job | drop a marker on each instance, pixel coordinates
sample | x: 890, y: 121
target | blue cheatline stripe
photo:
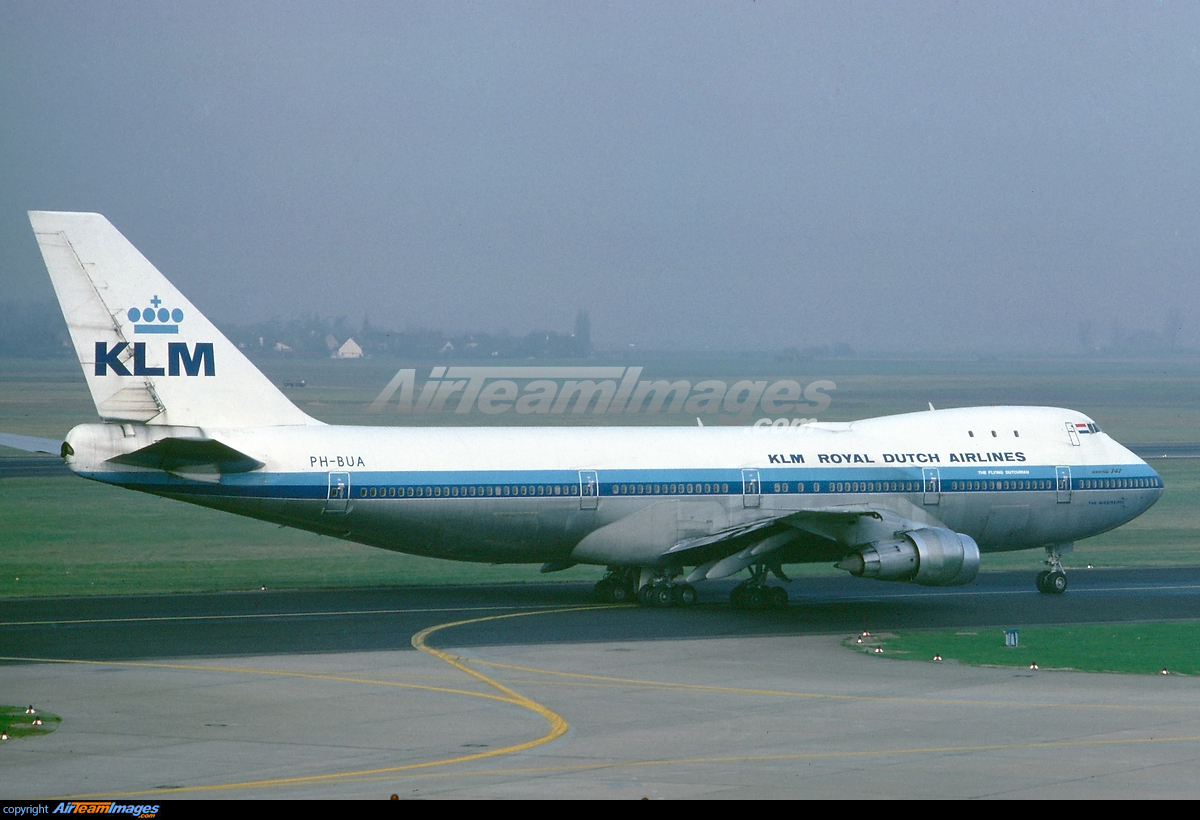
x: 566, y: 483
x: 156, y: 328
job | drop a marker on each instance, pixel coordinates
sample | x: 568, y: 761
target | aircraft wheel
x: 738, y: 597
x: 685, y: 595
x: 603, y: 591
x: 620, y: 594
x: 1041, y: 581
x: 644, y: 596
x: 757, y: 598
x: 779, y: 597
x: 1057, y: 583
x: 663, y: 596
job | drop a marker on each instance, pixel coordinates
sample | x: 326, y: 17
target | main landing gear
x: 753, y: 593
x: 1053, y: 581
x: 624, y: 585
x: 657, y: 588
x: 666, y: 594
x: 617, y: 587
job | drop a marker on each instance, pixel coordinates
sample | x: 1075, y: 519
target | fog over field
x: 901, y: 177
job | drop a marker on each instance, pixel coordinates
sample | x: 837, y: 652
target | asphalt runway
x: 364, y: 620
x: 532, y: 691
x: 33, y: 467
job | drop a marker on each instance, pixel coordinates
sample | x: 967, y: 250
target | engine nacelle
x: 933, y: 557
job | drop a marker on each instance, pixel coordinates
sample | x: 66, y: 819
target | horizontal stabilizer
x: 30, y: 444
x: 175, y: 455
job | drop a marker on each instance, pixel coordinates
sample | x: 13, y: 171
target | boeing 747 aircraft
x: 913, y: 498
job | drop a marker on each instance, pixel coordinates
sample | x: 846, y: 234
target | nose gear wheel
x: 1052, y: 581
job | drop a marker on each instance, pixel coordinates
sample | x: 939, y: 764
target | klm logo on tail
x: 180, y: 361
x: 156, y: 319
x: 179, y: 358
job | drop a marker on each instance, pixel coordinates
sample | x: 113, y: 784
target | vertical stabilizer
x: 148, y: 355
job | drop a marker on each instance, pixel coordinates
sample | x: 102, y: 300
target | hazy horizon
x: 902, y: 178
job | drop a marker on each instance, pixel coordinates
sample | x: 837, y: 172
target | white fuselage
x: 1010, y: 477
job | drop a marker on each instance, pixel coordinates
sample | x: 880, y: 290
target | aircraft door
x: 933, y: 485
x: 338, y: 499
x: 589, y: 490
x: 751, y: 488
x: 1063, y: 476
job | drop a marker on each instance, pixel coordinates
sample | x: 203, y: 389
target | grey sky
x: 748, y: 174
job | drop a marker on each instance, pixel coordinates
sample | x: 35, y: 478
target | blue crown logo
x: 157, y: 319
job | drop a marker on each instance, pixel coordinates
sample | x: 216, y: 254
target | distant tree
x: 1174, y: 325
x: 1087, y: 336
x: 33, y: 330
x: 1118, y: 335
x: 583, y: 334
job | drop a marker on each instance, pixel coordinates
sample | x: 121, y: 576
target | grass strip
x: 17, y: 722
x: 1143, y: 649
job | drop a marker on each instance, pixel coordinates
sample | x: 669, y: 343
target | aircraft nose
x: 1156, y: 491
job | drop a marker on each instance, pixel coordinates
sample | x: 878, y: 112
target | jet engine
x: 933, y: 557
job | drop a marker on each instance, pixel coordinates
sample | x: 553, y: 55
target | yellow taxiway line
x: 557, y: 726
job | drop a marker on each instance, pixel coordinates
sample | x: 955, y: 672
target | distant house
x: 280, y: 347
x: 349, y: 350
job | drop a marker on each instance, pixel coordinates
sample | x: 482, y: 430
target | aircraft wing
x: 818, y: 522
x: 723, y: 553
x: 728, y: 535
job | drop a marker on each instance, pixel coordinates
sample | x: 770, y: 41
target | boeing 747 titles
x: 185, y: 415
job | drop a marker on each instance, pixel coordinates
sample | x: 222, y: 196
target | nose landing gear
x: 1053, y: 581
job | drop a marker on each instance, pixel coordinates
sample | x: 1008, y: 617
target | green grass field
x: 67, y: 536
x: 17, y: 723
x: 1145, y: 649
